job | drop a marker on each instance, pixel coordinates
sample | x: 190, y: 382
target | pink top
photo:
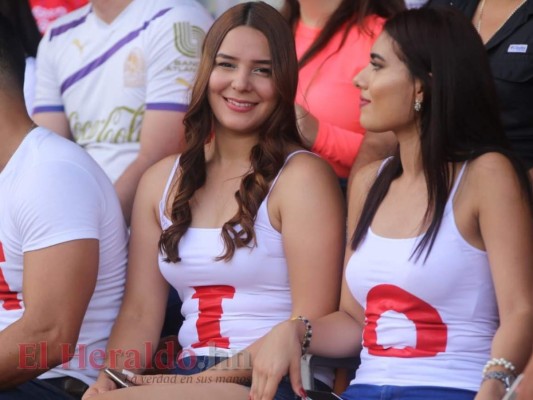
x: 326, y: 90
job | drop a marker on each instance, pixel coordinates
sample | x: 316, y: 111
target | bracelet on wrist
x: 506, y: 377
x: 306, y: 341
x: 499, y: 362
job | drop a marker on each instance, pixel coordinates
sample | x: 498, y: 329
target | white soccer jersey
x: 426, y: 324
x: 52, y: 192
x: 104, y: 76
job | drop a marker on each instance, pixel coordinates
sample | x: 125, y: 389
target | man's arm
x: 58, y: 283
x: 162, y: 134
x: 169, y: 77
x: 56, y: 121
x: 49, y: 109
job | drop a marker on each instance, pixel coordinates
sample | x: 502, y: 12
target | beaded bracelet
x: 306, y: 341
x: 500, y: 362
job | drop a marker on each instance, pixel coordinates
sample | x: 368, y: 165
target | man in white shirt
x: 62, y: 251
x: 115, y: 76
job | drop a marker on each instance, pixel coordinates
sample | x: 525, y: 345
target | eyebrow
x: 375, y: 55
x: 228, y: 57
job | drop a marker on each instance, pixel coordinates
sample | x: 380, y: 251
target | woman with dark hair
x: 245, y: 224
x: 333, y: 39
x: 437, y: 294
x: 19, y: 14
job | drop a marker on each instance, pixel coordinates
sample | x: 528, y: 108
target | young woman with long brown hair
x: 245, y: 224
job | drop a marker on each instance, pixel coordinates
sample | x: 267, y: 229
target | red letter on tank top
x: 210, y: 311
x: 7, y: 297
x: 431, y: 332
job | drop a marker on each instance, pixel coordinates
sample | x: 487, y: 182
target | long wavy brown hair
x: 277, y: 134
x: 348, y: 14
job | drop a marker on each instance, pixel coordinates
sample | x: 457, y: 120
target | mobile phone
x: 318, y: 395
x: 511, y: 393
x: 118, y: 377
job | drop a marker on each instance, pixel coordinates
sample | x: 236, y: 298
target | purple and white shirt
x: 104, y: 76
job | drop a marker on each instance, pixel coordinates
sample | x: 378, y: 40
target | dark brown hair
x: 12, y: 59
x: 349, y: 13
x: 19, y: 14
x: 277, y: 133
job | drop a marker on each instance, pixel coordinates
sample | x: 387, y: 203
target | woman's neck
x: 230, y: 149
x: 315, y: 13
x: 410, y: 153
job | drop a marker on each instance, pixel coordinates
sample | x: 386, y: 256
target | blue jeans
x: 195, y: 365
x: 374, y: 392
x: 37, y: 389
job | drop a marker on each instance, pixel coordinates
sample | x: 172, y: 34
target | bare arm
x: 334, y: 335
x: 503, y: 204
x: 161, y: 136
x: 141, y: 316
x: 337, y: 145
x: 58, y: 284
x: 55, y: 121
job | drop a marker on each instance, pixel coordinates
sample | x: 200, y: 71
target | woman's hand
x: 103, y: 384
x: 491, y: 389
x: 141, y: 380
x: 279, y: 354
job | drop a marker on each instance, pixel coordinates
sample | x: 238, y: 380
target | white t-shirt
x: 52, y: 192
x: 29, y: 83
x: 104, y: 76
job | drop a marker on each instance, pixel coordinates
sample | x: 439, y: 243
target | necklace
x: 481, y: 8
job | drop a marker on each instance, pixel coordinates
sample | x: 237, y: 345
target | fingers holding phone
x: 102, y: 385
x: 120, y: 378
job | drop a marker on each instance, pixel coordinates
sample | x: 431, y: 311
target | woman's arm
x: 506, y: 226
x: 335, y: 335
x: 138, y: 326
x: 337, y: 145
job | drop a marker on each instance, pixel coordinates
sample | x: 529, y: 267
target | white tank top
x: 228, y: 304
x: 426, y: 323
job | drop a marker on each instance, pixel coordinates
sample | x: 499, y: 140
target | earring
x: 418, y: 105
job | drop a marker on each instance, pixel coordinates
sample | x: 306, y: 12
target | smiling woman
x: 231, y: 223
x: 241, y: 90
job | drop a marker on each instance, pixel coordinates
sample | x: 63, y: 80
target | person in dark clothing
x: 506, y: 28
